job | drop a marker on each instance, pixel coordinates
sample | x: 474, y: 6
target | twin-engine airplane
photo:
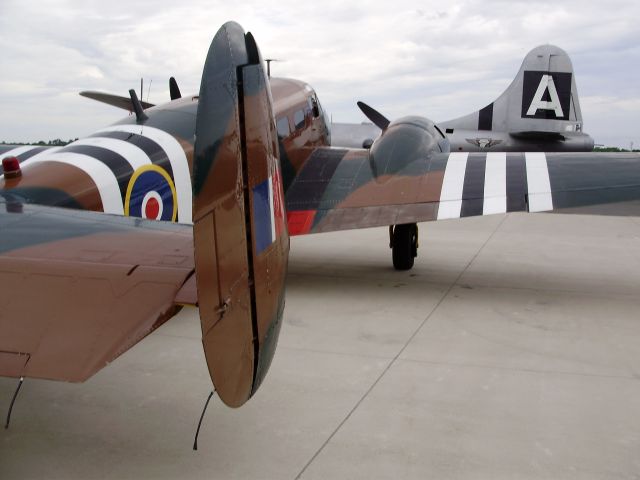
x: 193, y: 202
x: 539, y: 111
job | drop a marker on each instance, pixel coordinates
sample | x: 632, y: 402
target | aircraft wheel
x: 404, y: 245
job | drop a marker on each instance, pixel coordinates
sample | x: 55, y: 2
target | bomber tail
x: 241, y: 242
x: 542, y: 99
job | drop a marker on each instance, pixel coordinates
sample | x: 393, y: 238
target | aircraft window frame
x: 299, y: 123
x: 280, y: 124
x: 439, y: 131
x: 320, y: 109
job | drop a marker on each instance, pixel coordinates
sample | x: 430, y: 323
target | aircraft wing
x: 341, y: 189
x: 114, y: 100
x: 79, y: 288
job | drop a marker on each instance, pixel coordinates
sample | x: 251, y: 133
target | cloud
x: 437, y: 59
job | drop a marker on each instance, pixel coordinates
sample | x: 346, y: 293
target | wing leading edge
x: 340, y: 189
x: 80, y: 288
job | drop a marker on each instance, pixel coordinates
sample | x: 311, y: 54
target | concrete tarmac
x: 511, y: 350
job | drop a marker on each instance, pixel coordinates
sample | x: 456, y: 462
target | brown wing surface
x: 340, y: 189
x: 78, y: 289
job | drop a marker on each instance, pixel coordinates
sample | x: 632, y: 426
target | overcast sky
x: 436, y: 59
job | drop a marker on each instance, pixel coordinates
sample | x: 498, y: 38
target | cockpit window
x: 313, y: 105
x: 282, y: 124
x: 298, y: 119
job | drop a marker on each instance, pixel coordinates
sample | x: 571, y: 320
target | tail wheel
x: 404, y: 245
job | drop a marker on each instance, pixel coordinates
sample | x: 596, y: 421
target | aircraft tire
x: 404, y: 246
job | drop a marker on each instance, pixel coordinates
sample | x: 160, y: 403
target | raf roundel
x: 151, y: 194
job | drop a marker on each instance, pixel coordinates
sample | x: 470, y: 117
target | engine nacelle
x: 403, y: 142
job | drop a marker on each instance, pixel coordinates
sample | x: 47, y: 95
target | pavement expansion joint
x: 560, y: 292
x: 632, y: 376
x: 332, y: 352
x: 397, y: 356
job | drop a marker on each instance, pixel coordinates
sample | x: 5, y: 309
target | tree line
x: 50, y: 143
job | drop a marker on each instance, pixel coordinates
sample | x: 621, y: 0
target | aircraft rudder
x: 266, y: 197
x: 240, y: 247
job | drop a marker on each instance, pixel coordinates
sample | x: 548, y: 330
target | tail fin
x: 241, y: 242
x: 542, y: 98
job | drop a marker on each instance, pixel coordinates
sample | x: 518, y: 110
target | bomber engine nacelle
x: 405, y: 141
x: 402, y: 142
x: 241, y: 241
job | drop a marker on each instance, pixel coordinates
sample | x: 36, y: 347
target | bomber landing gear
x: 403, y: 241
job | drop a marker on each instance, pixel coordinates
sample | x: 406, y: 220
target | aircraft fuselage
x: 144, y: 169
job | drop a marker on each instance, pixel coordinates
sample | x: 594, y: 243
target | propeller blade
x: 173, y: 89
x: 375, y: 116
x: 137, y: 106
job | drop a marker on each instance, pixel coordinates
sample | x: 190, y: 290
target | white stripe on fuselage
x: 495, y: 184
x: 18, y: 151
x: 177, y: 158
x: 102, y: 176
x: 131, y: 153
x: 539, y: 187
x: 452, y: 184
x: 39, y: 155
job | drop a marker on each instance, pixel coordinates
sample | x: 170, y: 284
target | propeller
x: 173, y: 89
x: 375, y: 116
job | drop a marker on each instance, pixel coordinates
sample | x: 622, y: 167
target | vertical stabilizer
x: 543, y: 98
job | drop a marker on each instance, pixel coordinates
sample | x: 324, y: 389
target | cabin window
x: 298, y: 119
x: 282, y: 125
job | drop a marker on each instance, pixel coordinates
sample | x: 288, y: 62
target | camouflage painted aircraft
x: 192, y: 203
x: 538, y: 112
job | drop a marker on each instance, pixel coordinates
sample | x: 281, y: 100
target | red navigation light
x: 11, y: 167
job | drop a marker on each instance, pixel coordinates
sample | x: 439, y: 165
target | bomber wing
x: 78, y: 289
x: 341, y: 189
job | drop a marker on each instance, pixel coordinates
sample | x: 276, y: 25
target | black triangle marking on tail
x: 485, y: 118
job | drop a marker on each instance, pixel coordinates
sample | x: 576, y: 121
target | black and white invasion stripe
x: 112, y: 155
x: 485, y: 184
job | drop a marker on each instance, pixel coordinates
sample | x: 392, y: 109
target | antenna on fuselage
x: 269, y: 60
